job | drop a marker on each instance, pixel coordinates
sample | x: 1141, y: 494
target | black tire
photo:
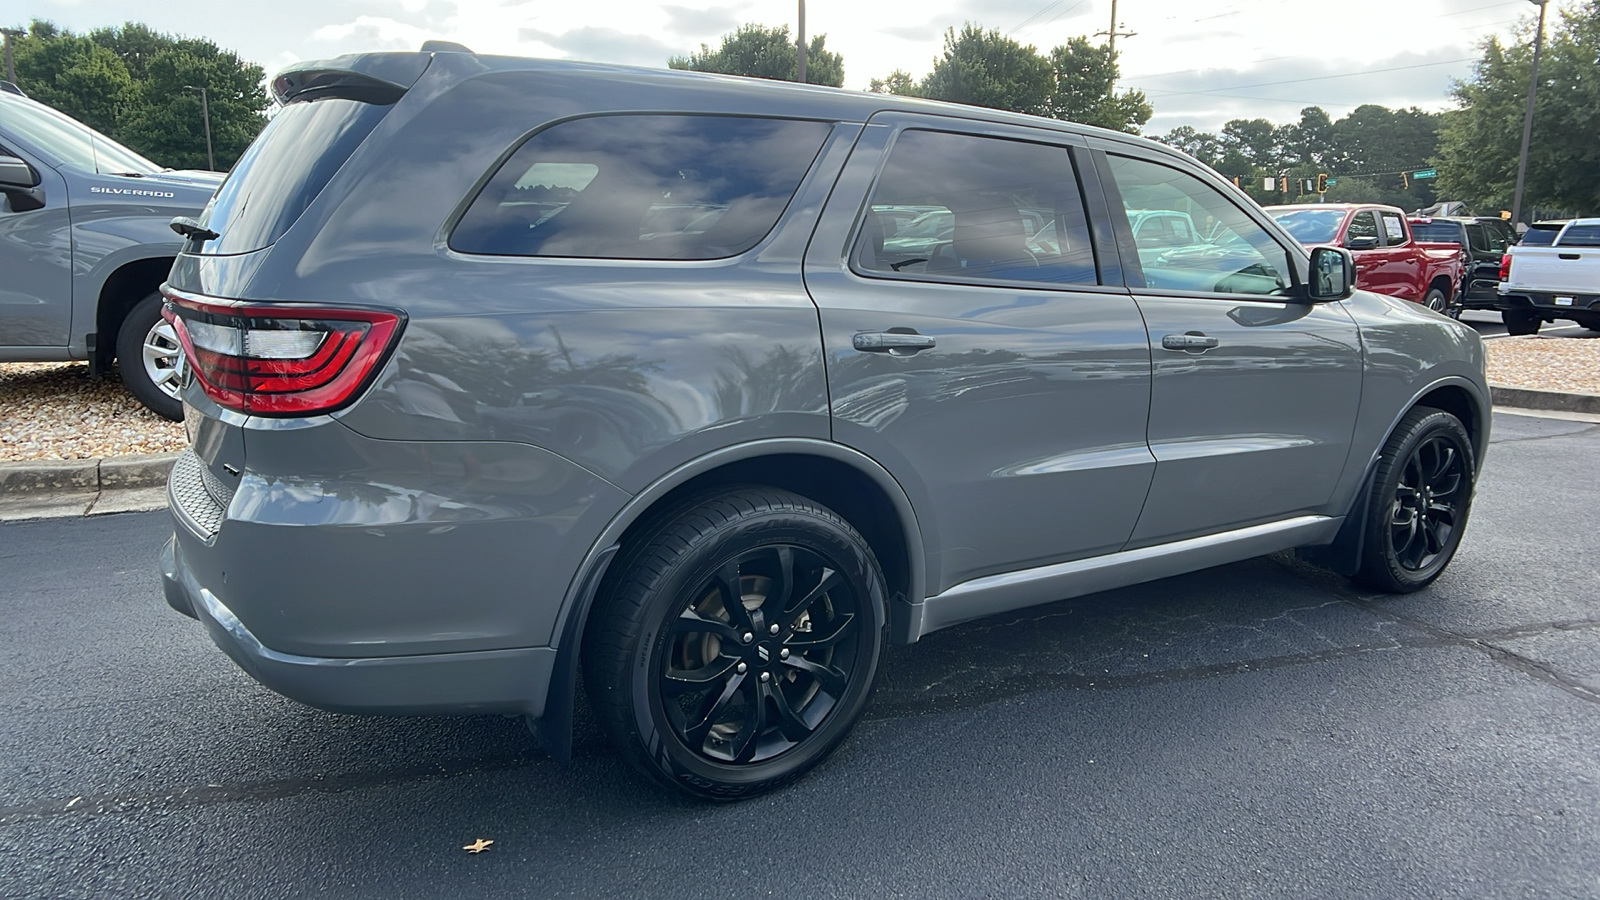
x: 727, y: 701
x: 1520, y: 323
x: 1436, y: 301
x: 1421, y: 498
x: 145, y: 329
x: 1591, y: 322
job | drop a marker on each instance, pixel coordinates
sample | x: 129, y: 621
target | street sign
x: 1332, y: 182
x: 1425, y: 173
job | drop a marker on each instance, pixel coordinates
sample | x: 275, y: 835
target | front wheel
x: 151, y: 360
x: 739, y: 645
x: 1421, y: 495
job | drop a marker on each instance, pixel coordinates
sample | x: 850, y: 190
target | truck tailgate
x: 1555, y: 269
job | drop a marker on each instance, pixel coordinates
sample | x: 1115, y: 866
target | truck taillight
x: 1505, y: 266
x: 280, y: 359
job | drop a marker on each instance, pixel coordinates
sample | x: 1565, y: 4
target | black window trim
x: 1118, y: 216
x: 1066, y: 141
x: 448, y: 227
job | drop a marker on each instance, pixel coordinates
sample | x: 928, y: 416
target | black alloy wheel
x: 1422, y: 494
x: 738, y: 643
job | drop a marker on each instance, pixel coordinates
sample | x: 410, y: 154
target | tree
x: 1481, y: 141
x: 1075, y: 82
x: 1202, y: 145
x: 757, y: 51
x: 1085, y: 89
x: 132, y: 84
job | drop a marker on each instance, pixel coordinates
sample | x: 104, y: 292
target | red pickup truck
x: 1388, y: 259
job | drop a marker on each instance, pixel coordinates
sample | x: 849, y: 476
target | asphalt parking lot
x: 1258, y: 729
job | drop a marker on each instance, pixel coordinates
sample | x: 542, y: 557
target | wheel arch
x: 1443, y: 284
x: 122, y: 289
x: 1455, y: 395
x: 845, y: 480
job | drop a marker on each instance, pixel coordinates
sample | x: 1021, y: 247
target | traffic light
x: 1322, y: 183
x: 1283, y: 184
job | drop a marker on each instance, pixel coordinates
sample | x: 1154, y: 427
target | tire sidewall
x: 667, y: 753
x: 130, y: 359
x: 1434, y: 424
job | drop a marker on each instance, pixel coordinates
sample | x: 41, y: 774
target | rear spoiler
x: 380, y: 78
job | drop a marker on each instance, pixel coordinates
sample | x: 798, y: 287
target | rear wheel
x: 1591, y: 322
x: 1435, y: 300
x: 150, y: 359
x: 740, y: 643
x: 1520, y: 323
x: 1421, y: 495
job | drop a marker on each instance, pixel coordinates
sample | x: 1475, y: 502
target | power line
x: 1240, y: 87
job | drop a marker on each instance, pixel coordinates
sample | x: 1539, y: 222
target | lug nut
x: 766, y: 677
x: 748, y: 637
x: 773, y: 629
x: 741, y: 668
x: 784, y: 653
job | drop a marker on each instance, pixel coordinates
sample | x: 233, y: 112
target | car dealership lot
x: 1256, y: 729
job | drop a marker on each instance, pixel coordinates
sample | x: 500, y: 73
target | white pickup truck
x: 1553, y: 274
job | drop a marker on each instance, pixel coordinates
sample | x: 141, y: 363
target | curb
x: 1528, y: 398
x: 85, y: 476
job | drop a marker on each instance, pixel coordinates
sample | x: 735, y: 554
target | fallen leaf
x: 477, y: 846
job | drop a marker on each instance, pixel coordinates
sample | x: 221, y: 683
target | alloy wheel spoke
x: 680, y: 681
x: 727, y: 580
x: 744, y: 743
x: 789, y: 722
x: 830, y: 677
x: 830, y: 578
x: 711, y: 712
x: 838, y: 629
x: 690, y: 622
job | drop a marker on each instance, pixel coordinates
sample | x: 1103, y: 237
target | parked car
x: 445, y: 460
x: 1388, y: 259
x: 84, y: 245
x: 1485, y: 240
x: 1559, y: 279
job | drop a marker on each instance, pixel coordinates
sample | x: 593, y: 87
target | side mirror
x: 14, y: 173
x: 1366, y: 242
x: 20, y: 184
x: 1333, y: 274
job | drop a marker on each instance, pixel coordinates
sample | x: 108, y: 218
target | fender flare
x: 554, y: 726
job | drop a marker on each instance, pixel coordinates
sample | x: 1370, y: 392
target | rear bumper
x: 1547, y: 302
x: 512, y: 681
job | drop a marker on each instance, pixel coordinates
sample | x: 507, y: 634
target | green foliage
x: 1075, y: 82
x: 1371, y: 139
x: 130, y: 83
x: 1481, y: 141
x: 756, y: 51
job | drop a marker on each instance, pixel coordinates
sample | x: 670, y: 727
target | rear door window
x: 1580, y: 236
x: 1394, y: 230
x: 989, y: 209
x: 642, y: 187
x: 285, y: 169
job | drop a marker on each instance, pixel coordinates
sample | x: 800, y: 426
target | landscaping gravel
x: 56, y: 411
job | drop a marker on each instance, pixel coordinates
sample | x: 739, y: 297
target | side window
x: 956, y: 206
x: 642, y: 187
x: 1208, y: 244
x: 1394, y: 230
x: 1363, y: 225
x: 1580, y: 236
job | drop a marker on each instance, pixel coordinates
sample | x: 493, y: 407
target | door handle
x: 1193, y: 340
x: 895, y: 343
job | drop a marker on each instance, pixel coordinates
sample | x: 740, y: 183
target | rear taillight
x: 280, y: 359
x: 1505, y: 266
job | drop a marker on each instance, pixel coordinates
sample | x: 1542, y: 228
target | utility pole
x: 1113, y: 34
x: 1527, y: 118
x: 205, y: 111
x: 11, y: 71
x: 800, y: 47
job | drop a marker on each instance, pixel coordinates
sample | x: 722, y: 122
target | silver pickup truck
x: 84, y: 244
x: 1553, y: 274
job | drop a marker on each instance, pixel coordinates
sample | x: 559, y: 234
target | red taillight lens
x: 280, y: 359
x: 1505, y: 266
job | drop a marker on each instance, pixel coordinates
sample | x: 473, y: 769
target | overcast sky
x: 1200, y: 63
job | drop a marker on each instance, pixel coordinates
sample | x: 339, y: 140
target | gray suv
x: 84, y: 245
x: 510, y: 375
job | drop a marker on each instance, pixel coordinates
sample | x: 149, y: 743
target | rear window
x: 1541, y: 235
x: 1580, y: 236
x: 642, y: 187
x: 1437, y: 232
x: 285, y: 169
x: 1310, y: 226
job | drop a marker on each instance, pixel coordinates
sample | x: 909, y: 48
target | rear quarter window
x: 642, y: 187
